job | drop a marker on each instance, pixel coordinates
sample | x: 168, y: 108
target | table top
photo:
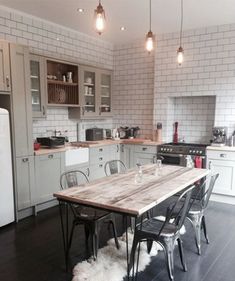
x: 119, y: 192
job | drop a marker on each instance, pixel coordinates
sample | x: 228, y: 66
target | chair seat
x: 154, y: 225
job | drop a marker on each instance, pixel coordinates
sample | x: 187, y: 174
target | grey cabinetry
x: 5, y: 83
x: 25, y: 192
x: 97, y: 159
x: 22, y: 127
x: 38, y: 85
x: 48, y: 169
x: 144, y: 154
x: 95, y: 90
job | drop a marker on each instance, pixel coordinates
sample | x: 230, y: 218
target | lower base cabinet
x: 97, y: 171
x: 144, y: 158
x: 25, y: 188
x: 48, y: 169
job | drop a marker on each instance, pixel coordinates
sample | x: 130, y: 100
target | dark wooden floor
x: 32, y: 250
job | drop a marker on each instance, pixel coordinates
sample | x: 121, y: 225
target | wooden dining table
x: 120, y: 193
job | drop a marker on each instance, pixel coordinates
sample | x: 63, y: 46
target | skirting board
x: 223, y: 199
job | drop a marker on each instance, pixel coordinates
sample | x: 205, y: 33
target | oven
x: 172, y: 159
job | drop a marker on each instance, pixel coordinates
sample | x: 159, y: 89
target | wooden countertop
x: 75, y: 145
x: 120, y: 193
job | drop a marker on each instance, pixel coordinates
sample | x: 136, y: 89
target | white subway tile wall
x: 133, y: 87
x: 50, y: 39
x: 196, y: 118
x: 208, y: 70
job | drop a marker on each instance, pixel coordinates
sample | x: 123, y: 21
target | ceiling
x: 133, y: 14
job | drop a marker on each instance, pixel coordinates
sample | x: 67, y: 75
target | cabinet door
x: 88, y: 91
x: 127, y: 155
x: 114, y: 153
x: 105, y: 93
x: 25, y: 182
x: 97, y: 171
x: 226, y: 180
x: 48, y: 169
x: 144, y: 158
x: 21, y: 100
x: 5, y: 84
x: 38, y: 85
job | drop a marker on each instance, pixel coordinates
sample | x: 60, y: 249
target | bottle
x: 139, y: 175
x: 159, y: 132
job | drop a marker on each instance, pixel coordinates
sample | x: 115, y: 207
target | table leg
x: 127, y: 250
x: 65, y: 231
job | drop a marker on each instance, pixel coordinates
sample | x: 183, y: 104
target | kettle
x: 132, y: 132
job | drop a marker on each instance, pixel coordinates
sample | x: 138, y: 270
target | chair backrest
x: 177, y: 212
x: 73, y: 178
x: 206, y: 190
x: 114, y: 167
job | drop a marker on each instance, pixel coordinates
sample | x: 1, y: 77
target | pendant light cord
x: 150, y: 14
x: 182, y: 20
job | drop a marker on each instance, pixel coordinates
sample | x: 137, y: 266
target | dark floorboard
x: 32, y: 250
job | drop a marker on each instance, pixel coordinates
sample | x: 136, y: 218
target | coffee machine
x: 219, y: 136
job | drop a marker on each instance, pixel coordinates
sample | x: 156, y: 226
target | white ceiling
x: 133, y: 14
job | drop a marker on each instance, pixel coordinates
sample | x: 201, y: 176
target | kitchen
x: 147, y: 89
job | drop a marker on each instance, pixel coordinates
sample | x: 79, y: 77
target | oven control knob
x: 200, y: 152
x: 194, y: 151
x: 161, y: 149
x: 197, y: 151
x: 171, y: 150
x: 190, y: 151
x: 168, y: 149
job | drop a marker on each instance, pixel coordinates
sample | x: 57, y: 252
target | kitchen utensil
x: 132, y: 132
x: 69, y: 77
x: 175, y: 136
x: 219, y: 136
x: 36, y: 146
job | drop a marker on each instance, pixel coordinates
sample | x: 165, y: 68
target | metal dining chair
x: 196, y: 214
x: 164, y: 233
x: 91, y: 218
x: 114, y: 167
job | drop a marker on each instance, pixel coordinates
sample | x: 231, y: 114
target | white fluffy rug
x: 111, y: 263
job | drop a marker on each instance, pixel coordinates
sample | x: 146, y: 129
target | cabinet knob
x: 101, y: 158
x: 117, y: 148
x: 100, y: 110
x: 50, y: 156
x: 101, y: 149
x: 24, y: 160
x: 222, y: 155
x: 144, y: 148
x: 101, y: 165
x: 43, y: 110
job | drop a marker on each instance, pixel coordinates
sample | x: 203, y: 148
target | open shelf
x: 58, y: 82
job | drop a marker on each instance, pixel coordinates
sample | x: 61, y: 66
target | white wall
x: 53, y: 40
x: 208, y: 70
x: 133, y: 87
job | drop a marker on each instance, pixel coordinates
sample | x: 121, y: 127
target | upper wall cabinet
x: 38, y: 85
x: 5, y: 83
x: 62, y: 84
x: 95, y: 93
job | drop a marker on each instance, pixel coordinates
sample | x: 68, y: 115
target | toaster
x: 94, y: 134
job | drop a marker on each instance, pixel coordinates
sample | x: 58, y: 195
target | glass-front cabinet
x: 105, y: 92
x: 37, y: 86
x: 95, y: 90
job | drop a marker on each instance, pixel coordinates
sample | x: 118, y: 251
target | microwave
x: 94, y: 134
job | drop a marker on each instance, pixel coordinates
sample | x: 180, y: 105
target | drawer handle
x: 8, y: 81
x: 50, y: 156
x: 101, y: 149
x: 101, y: 165
x: 222, y: 155
x: 24, y: 160
x: 101, y: 158
x: 144, y: 148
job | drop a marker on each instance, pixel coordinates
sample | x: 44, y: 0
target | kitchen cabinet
x: 62, y: 83
x: 21, y: 101
x: 114, y: 152
x: 95, y: 94
x: 144, y: 154
x: 24, y: 177
x: 38, y: 86
x: 48, y: 169
x: 127, y: 155
x: 223, y: 162
x: 5, y: 83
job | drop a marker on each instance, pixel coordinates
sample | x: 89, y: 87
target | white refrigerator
x: 6, y: 181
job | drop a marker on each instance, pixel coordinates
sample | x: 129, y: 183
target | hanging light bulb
x: 149, y: 45
x: 149, y: 41
x: 180, y: 51
x: 180, y: 55
x: 99, y: 19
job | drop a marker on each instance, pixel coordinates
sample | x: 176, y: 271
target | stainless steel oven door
x: 172, y: 159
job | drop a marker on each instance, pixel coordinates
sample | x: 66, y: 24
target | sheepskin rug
x: 111, y: 263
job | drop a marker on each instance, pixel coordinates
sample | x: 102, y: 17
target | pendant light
x: 99, y: 18
x: 149, y: 44
x: 180, y: 51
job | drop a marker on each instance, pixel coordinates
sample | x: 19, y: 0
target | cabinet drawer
x: 146, y: 149
x: 49, y: 156
x: 221, y: 155
x: 99, y: 154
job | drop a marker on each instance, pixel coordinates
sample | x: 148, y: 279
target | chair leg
x: 149, y: 245
x: 204, y: 229
x: 71, y: 236
x: 183, y: 262
x: 169, y: 251
x: 87, y: 232
x: 112, y: 222
x: 196, y: 221
x: 132, y: 255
